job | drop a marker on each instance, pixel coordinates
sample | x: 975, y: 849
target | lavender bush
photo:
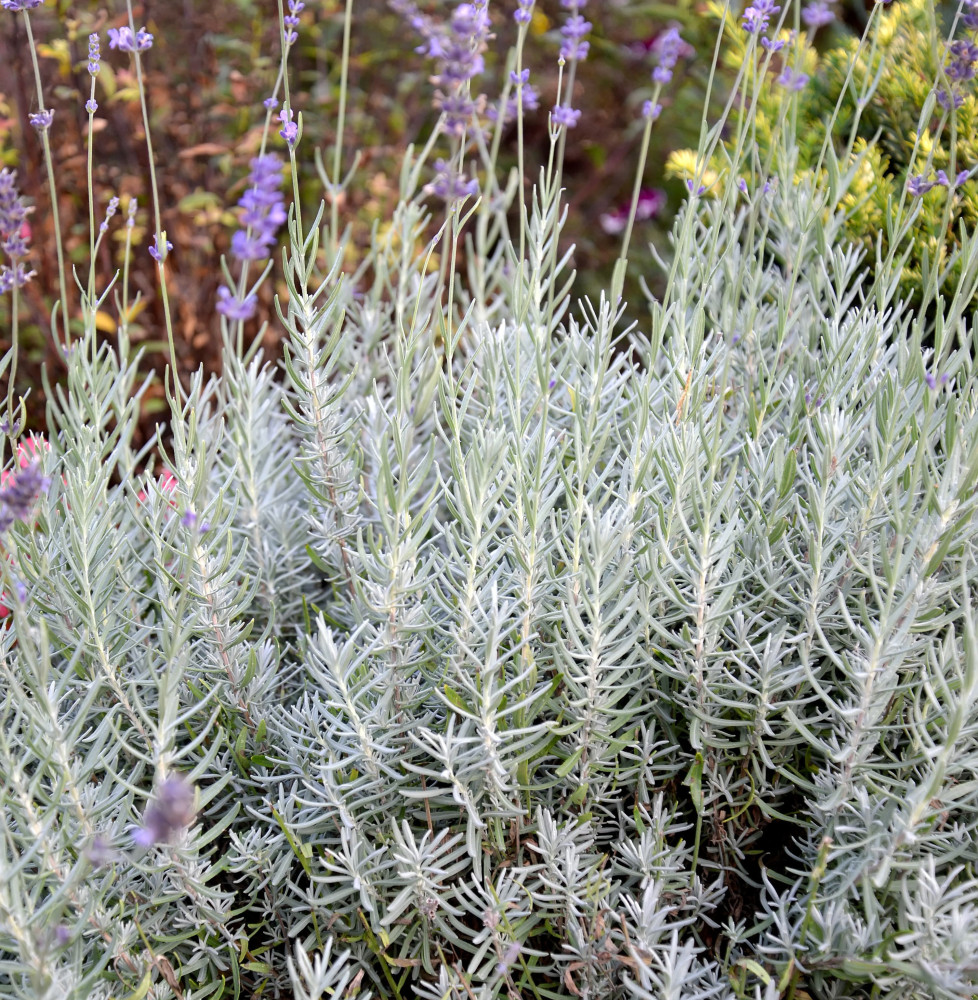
x: 488, y: 647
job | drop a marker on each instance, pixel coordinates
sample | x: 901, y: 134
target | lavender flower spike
x: 13, y: 230
x: 13, y: 215
x: 19, y: 493
x: 20, y: 4
x: 574, y: 46
x: 264, y: 211
x: 756, y: 18
x: 171, y: 812
x: 94, y: 54
x: 668, y: 47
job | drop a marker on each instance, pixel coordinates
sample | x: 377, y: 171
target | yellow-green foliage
x: 905, y: 54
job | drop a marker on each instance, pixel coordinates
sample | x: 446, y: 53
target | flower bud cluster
x: 263, y: 210
x: 449, y: 184
x: 457, y: 48
x: 19, y: 492
x: 14, y: 231
x: 123, y: 40
x: 263, y: 213
x: 574, y: 46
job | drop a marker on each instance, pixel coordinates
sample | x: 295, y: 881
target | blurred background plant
x: 213, y: 65
x: 918, y: 42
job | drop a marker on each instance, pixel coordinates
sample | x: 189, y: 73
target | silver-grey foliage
x: 512, y: 653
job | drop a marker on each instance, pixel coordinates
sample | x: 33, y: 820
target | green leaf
x: 570, y: 763
x: 143, y: 988
x: 694, y: 781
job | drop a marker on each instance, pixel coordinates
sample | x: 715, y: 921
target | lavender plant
x: 914, y: 128
x: 488, y: 646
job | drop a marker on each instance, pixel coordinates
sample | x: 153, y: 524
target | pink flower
x: 168, y: 483
x: 27, y: 451
x: 651, y: 201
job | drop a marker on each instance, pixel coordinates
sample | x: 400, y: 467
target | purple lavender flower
x: 159, y: 248
x: 563, y: 115
x: 235, y: 308
x: 931, y: 381
x: 949, y: 99
x: 509, y: 957
x: 574, y: 47
x: 19, y: 492
x: 526, y: 92
x: 13, y: 215
x: 91, y: 105
x: 263, y: 213
x: 969, y: 14
x: 817, y: 14
x: 791, y: 79
x: 449, y: 185
x: 457, y: 47
x: 668, y: 47
x: 531, y: 101
x: 110, y: 210
x: 123, y: 40
x: 290, y: 129
x: 919, y: 186
x: 961, y: 65
x: 41, y: 120
x: 757, y: 17
x: 458, y: 110
x: 292, y: 20
x: 772, y: 44
x: 962, y: 58
x: 20, y: 4
x: 94, y: 54
x: 524, y: 12
x: 270, y: 103
x: 17, y: 274
x: 651, y: 111
x: 171, y: 812
x: 13, y: 230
